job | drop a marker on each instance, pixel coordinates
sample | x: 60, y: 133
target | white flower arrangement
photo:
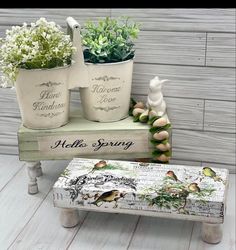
x: 42, y: 45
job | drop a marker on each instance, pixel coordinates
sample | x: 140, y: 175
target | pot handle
x: 78, y: 72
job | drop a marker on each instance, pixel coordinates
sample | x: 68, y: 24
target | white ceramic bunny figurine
x: 155, y: 99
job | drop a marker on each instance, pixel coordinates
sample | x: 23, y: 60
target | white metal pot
x: 43, y: 97
x: 107, y: 97
x: 105, y: 88
x: 43, y: 94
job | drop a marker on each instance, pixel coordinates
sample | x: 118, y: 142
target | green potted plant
x: 36, y: 59
x: 108, y: 48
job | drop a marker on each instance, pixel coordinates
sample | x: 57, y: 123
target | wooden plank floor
x: 31, y: 222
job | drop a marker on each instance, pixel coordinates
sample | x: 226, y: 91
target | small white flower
x: 25, y: 45
x: 56, y: 50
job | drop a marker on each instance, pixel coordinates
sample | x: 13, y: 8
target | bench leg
x: 39, y: 171
x: 34, y: 171
x: 211, y: 233
x: 69, y: 217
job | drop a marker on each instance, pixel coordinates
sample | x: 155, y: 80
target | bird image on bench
x: 109, y: 196
x: 193, y: 187
x: 99, y: 165
x: 207, y: 171
x: 172, y: 175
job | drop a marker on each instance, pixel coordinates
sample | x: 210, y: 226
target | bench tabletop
x: 196, y: 193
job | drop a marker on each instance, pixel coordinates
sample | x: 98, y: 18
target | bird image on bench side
x: 109, y: 196
x: 207, y: 171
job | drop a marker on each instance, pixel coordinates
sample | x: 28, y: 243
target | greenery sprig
x: 110, y: 40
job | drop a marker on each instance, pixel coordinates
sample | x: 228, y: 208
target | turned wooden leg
x: 33, y: 172
x: 211, y: 233
x: 69, y: 217
x: 39, y: 171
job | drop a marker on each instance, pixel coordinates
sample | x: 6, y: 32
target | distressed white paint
x: 69, y: 217
x: 211, y: 233
x: 129, y: 178
x: 34, y: 171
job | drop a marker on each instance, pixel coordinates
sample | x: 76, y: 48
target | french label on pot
x: 107, y: 90
x: 97, y: 143
x: 51, y: 100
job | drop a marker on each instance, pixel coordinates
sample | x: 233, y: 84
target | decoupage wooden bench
x: 149, y: 189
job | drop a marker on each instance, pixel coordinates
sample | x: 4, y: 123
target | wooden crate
x: 117, y: 140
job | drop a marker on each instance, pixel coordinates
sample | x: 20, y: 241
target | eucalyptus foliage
x: 40, y: 45
x: 109, y: 40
